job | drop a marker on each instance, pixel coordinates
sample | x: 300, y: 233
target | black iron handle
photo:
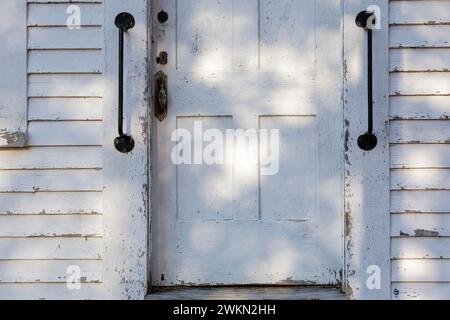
x: 365, y: 20
x: 123, y: 143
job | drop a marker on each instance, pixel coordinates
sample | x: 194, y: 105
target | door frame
x: 125, y: 176
x: 366, y: 177
x: 366, y: 193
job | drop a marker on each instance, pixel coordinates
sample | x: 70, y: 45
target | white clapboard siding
x: 65, y: 109
x: 420, y: 270
x: 420, y: 224
x: 420, y: 83
x: 64, y: 1
x: 51, y: 203
x: 52, y: 271
x: 51, y: 226
x: 52, y: 158
x: 50, y: 180
x: 420, y: 179
x: 54, y: 14
x: 65, y: 61
x: 418, y: 131
x: 419, y: 12
x: 420, y: 248
x: 420, y: 156
x: 50, y: 248
x: 51, y: 192
x: 419, y: 107
x: 65, y: 133
x: 64, y: 38
x: 421, y: 291
x: 65, y: 85
x: 420, y: 148
x: 420, y: 201
x: 50, y: 291
x: 420, y: 59
x: 433, y: 36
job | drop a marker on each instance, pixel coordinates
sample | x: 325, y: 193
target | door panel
x: 286, y: 41
x: 204, y: 191
x: 242, y: 75
x: 296, y: 200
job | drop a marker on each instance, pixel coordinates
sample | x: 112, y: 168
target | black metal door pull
x: 123, y: 143
x: 368, y: 141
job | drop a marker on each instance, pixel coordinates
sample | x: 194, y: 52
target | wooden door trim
x: 125, y: 176
x: 367, y: 194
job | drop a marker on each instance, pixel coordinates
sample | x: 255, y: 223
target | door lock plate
x: 160, y: 95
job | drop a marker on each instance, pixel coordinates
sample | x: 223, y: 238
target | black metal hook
x: 123, y: 143
x: 368, y: 141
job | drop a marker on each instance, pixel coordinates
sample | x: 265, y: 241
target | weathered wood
x: 423, y: 77
x: 55, y: 14
x: 282, y: 35
x: 63, y: 1
x: 50, y: 180
x: 367, y: 221
x: 64, y: 38
x: 420, y: 179
x: 420, y: 83
x: 420, y: 201
x: 248, y: 293
x: 50, y: 291
x: 266, y: 218
x: 52, y: 158
x: 420, y: 224
x: 245, y: 45
x: 125, y: 177
x: 55, y: 226
x: 65, y: 61
x: 51, y: 226
x: 420, y: 36
x: 420, y: 248
x: 51, y: 203
x: 421, y: 291
x: 13, y: 83
x: 50, y: 248
x: 65, y: 109
x: 50, y: 271
x: 420, y: 156
x: 262, y: 248
x: 418, y: 131
x: 65, y: 85
x: 65, y: 133
x: 419, y: 12
x: 421, y: 270
x: 420, y: 107
x: 420, y: 59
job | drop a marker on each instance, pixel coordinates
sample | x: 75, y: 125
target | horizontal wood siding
x: 51, y: 192
x: 42, y: 203
x: 47, y: 290
x: 42, y: 271
x: 420, y: 148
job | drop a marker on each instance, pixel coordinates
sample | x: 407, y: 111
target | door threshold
x: 247, y: 293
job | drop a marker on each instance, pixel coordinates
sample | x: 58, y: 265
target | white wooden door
x: 269, y: 66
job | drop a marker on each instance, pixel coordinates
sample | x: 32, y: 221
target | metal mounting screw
x: 163, y: 16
